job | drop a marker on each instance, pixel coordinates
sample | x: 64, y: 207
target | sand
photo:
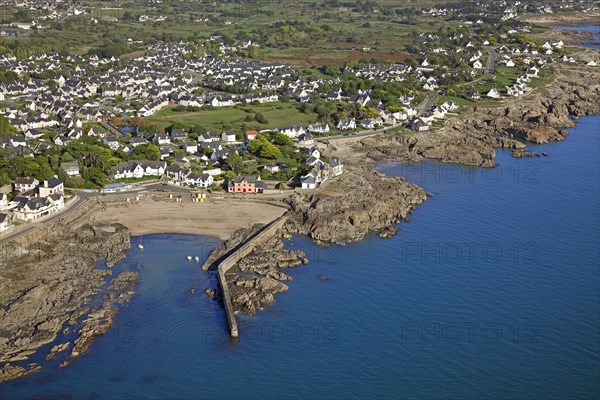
x: 212, y: 218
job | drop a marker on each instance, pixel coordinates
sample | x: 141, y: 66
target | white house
x: 5, y: 222
x: 306, y: 140
x: 190, y: 147
x: 228, y: 137
x: 51, y: 186
x: 111, y: 142
x: 291, y: 131
x: 318, y: 128
x: 532, y: 72
x: 419, y: 125
x: 272, y: 168
x: 200, y: 180
x: 309, y: 181
x: 71, y: 168
x: 3, y: 201
x: 347, y: 124
x: 494, y: 94
x: 250, y: 135
x: 24, y: 184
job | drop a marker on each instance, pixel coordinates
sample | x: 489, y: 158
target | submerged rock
x: 388, y: 232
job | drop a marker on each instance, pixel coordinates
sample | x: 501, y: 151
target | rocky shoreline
x: 347, y: 208
x: 46, y: 288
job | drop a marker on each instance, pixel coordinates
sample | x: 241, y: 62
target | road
x: 427, y: 104
x: 81, y: 199
x: 110, y: 128
x: 492, y: 60
x: 359, y: 134
x: 490, y: 69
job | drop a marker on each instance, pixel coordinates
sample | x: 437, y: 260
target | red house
x: 245, y: 184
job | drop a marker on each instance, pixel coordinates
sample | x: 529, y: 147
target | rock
x: 521, y: 154
x: 388, y: 232
x: 212, y: 294
x: 363, y: 200
x: 8, y: 371
x: 59, y: 348
x: 537, y: 134
x: 39, y: 298
x: 97, y: 323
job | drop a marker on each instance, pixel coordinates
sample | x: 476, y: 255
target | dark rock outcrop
x: 46, y: 285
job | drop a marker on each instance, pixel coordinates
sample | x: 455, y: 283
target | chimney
x: 45, y: 184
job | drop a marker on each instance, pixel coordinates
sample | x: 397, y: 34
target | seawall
x: 232, y: 259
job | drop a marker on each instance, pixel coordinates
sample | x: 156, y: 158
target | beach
x: 218, y: 218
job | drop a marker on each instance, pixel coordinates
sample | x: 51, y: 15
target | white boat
x: 197, y: 259
x: 140, y: 245
x: 189, y: 258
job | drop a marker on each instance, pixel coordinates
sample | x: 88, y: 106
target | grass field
x: 234, y: 118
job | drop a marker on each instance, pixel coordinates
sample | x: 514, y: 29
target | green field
x: 234, y: 118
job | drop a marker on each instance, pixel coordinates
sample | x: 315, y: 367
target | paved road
x: 110, y: 128
x: 167, y: 187
x: 427, y: 104
x: 492, y: 60
x: 7, y: 236
x: 490, y: 69
x: 359, y: 134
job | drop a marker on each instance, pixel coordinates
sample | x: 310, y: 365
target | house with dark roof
x: 200, y: 180
x: 51, y: 186
x: 24, y: 184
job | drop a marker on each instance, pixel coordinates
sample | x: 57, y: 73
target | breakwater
x: 232, y: 259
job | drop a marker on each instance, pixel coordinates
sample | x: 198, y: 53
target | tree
x: 116, y: 121
x: 6, y: 128
x: 234, y: 161
x: 281, y: 139
x: 146, y: 151
x: 260, y: 118
x: 261, y: 147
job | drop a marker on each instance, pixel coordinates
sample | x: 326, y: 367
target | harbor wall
x: 232, y: 259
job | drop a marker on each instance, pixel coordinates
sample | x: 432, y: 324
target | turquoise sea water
x: 491, y: 291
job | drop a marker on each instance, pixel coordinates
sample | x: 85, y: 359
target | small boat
x: 197, y: 259
x: 140, y: 245
x: 189, y: 258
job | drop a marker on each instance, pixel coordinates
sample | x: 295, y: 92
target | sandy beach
x: 212, y: 218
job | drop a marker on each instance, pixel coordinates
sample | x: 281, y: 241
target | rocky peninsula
x: 347, y: 208
x: 47, y: 285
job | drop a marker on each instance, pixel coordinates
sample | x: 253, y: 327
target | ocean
x: 491, y: 290
x: 595, y: 29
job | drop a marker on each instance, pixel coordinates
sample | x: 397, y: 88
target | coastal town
x: 94, y: 122
x: 266, y: 126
